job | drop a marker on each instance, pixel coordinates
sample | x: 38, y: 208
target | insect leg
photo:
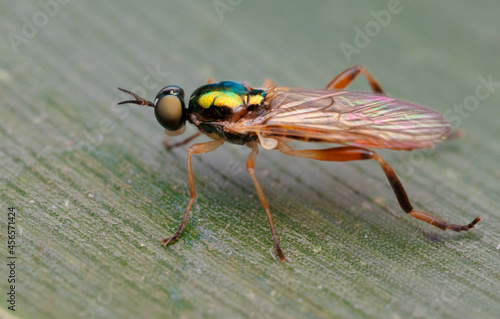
x: 210, y: 80
x: 347, y: 76
x: 251, y: 170
x: 193, y: 149
x: 350, y: 153
x: 183, y: 142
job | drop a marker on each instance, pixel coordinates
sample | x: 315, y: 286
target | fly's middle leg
x: 263, y: 200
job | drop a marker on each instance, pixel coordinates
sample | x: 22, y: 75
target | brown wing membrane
x: 343, y: 117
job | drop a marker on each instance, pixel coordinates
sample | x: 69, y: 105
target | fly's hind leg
x: 211, y: 80
x: 347, y: 76
x: 193, y: 149
x: 263, y: 200
x: 350, y: 153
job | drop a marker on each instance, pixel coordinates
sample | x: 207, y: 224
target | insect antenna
x: 138, y: 100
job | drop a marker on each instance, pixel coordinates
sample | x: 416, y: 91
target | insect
x: 272, y: 116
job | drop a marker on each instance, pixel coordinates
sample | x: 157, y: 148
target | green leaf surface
x: 95, y: 190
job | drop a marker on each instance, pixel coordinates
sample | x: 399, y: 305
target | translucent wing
x: 351, y: 118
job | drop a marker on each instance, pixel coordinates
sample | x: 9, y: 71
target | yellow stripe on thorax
x: 226, y: 99
x: 256, y: 100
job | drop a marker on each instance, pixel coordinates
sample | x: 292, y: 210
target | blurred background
x: 95, y: 190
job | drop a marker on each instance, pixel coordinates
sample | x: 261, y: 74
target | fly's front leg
x: 347, y: 76
x: 194, y: 149
x: 169, y: 146
x: 350, y: 153
x: 263, y: 200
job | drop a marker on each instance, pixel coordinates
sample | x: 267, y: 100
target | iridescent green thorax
x: 211, y: 105
x: 223, y: 101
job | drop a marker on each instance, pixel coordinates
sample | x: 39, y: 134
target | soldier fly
x: 272, y: 116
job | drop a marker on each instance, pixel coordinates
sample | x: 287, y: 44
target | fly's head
x: 169, y: 108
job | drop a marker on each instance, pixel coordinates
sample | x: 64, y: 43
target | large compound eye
x: 169, y: 108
